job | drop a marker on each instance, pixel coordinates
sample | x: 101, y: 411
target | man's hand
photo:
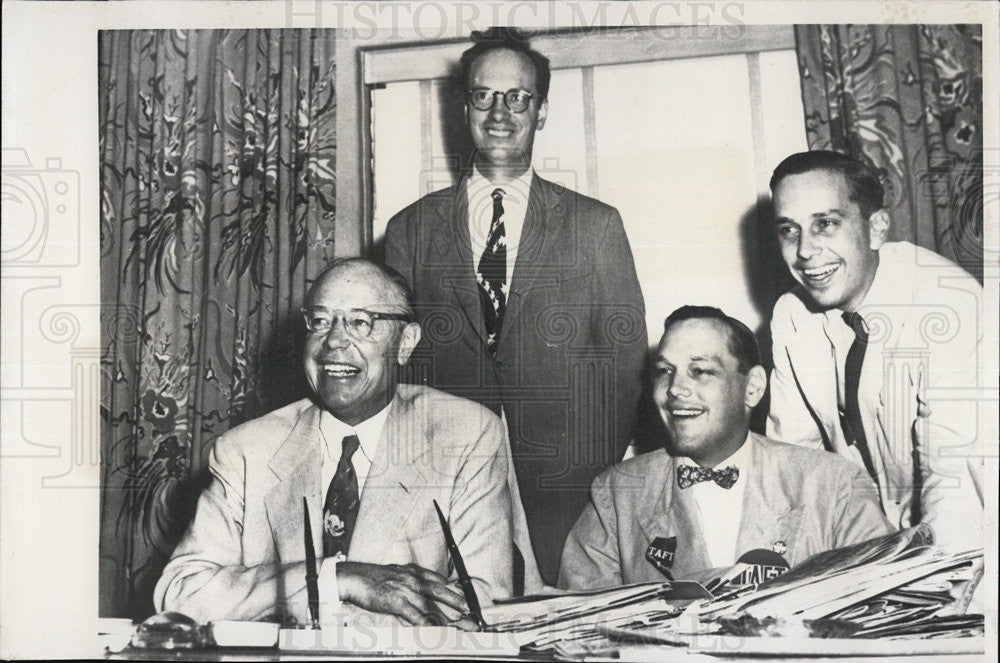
x: 415, y: 594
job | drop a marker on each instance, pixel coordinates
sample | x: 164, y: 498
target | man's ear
x: 543, y: 111
x: 407, y: 342
x: 878, y: 229
x: 756, y: 386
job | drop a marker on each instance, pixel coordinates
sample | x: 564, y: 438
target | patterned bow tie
x: 688, y: 475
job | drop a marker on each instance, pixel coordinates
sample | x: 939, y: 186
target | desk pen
x: 464, y: 581
x: 312, y: 577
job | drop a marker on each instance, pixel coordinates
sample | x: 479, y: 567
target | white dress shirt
x: 720, y: 509
x: 332, y: 432
x: 515, y: 207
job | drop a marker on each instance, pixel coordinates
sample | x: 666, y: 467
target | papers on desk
x: 566, y: 621
x: 892, y: 579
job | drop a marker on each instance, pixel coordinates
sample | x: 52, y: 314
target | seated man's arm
x: 480, y: 514
x: 590, y: 555
x: 206, y: 577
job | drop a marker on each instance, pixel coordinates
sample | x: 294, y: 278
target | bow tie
x: 688, y: 475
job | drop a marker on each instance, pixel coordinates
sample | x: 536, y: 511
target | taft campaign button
x: 660, y: 553
x: 763, y: 565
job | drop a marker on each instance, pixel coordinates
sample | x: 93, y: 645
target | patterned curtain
x: 217, y: 211
x: 909, y: 100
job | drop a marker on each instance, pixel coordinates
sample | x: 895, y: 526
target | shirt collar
x: 518, y: 187
x: 369, y: 431
x: 879, y: 292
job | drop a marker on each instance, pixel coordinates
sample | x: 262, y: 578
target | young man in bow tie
x: 877, y: 351
x: 718, y: 491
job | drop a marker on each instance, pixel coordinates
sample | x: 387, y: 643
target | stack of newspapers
x: 896, y: 587
x: 567, y: 620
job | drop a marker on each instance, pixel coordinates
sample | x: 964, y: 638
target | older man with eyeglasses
x: 529, y: 298
x: 370, y: 457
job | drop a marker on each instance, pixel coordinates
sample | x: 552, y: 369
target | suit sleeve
x: 789, y: 419
x: 480, y: 516
x: 620, y: 320
x: 860, y: 515
x: 399, y: 249
x: 206, y: 578
x: 590, y: 556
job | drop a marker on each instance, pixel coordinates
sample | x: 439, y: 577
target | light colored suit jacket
x: 806, y: 501
x: 917, y: 392
x: 242, y: 557
x: 571, y: 348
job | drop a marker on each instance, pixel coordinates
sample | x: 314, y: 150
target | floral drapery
x: 217, y: 211
x: 909, y: 99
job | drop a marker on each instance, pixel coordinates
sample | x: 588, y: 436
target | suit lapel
x: 815, y: 369
x: 675, y: 514
x: 454, y: 246
x: 398, y: 476
x: 538, y: 247
x: 768, y: 515
x: 296, y: 468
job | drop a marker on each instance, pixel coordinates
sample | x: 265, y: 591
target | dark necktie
x: 342, y: 500
x: 851, y: 422
x: 491, y: 274
x: 689, y: 475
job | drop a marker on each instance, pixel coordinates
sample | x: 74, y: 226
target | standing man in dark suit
x: 528, y: 295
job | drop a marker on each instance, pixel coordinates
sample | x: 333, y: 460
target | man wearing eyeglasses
x: 370, y: 457
x: 529, y: 299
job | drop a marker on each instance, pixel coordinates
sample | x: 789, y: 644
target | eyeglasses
x: 483, y: 98
x: 357, y: 322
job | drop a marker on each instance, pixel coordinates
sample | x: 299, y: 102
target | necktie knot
x: 689, y: 475
x: 349, y: 446
x: 856, y: 322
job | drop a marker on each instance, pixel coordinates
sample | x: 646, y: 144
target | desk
x: 638, y: 654
x: 626, y: 652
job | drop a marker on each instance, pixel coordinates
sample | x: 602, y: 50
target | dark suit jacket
x: 810, y: 501
x: 570, y: 351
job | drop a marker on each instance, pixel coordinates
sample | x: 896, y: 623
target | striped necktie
x: 491, y: 274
